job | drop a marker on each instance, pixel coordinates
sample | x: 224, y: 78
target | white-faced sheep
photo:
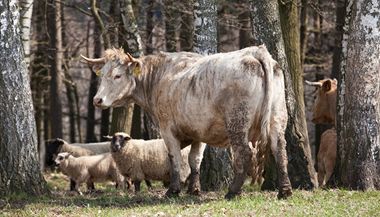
x: 89, y: 169
x: 146, y: 159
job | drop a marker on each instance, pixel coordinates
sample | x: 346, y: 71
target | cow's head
x: 324, y: 111
x: 116, y: 70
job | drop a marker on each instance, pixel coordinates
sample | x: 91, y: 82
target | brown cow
x: 324, y: 112
x: 222, y: 99
x: 326, y: 156
x: 325, y: 104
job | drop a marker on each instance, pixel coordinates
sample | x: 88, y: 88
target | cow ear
x: 326, y: 86
x: 136, y: 68
x: 96, y: 68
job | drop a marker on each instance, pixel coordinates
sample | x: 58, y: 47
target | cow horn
x: 132, y: 59
x: 313, y: 83
x: 94, y: 61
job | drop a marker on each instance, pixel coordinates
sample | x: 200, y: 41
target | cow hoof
x: 284, y: 194
x: 231, y: 195
x: 172, y: 193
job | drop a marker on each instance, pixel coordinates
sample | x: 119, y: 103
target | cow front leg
x: 278, y: 147
x: 195, y: 160
x: 174, y: 150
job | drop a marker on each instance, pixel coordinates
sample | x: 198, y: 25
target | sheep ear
x: 108, y: 137
x: 127, y: 137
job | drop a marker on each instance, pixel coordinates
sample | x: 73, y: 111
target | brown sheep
x: 88, y: 169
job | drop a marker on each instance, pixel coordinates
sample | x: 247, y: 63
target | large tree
x: 216, y: 167
x: 281, y: 36
x: 19, y: 167
x: 359, y: 97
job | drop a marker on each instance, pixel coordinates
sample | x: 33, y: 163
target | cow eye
x: 117, y: 77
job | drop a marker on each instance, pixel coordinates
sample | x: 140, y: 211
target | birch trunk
x: 26, y: 24
x: 359, y: 97
x: 216, y: 168
x: 19, y: 166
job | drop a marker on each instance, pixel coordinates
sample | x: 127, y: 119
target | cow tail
x: 265, y: 60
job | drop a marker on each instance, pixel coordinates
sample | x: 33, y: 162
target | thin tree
x: 26, y: 24
x: 358, y: 98
x: 19, y: 167
x: 268, y: 30
x: 187, y: 27
x: 216, y: 167
x: 56, y: 71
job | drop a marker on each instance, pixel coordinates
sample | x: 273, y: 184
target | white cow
x: 221, y: 99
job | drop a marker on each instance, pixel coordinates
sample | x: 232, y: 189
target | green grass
x: 110, y: 202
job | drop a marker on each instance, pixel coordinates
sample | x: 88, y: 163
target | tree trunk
x: 187, y: 27
x: 122, y: 117
x: 56, y: 72
x: 359, y: 111
x: 303, y: 30
x: 301, y: 169
x: 216, y: 167
x: 267, y: 30
x: 19, y: 167
x: 245, y: 31
x: 340, y: 13
x: 171, y: 25
x: 90, y: 123
x: 26, y: 24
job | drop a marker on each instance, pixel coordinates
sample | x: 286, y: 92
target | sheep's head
x: 119, y: 140
x: 61, y: 157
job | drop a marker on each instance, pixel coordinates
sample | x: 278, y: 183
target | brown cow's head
x: 116, y: 71
x: 325, y: 104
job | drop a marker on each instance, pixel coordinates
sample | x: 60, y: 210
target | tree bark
x: 187, y: 27
x: 245, y: 31
x: 171, y: 25
x: 303, y: 30
x: 359, y: 111
x: 56, y: 71
x: 216, y: 167
x: 26, y: 24
x: 340, y: 13
x: 267, y: 30
x: 90, y: 122
x: 19, y: 166
x: 122, y: 117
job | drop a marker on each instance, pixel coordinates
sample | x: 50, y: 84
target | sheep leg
x: 137, y: 185
x: 148, y: 183
x: 72, y: 185
x: 175, y: 158
x: 77, y: 186
x: 90, y: 186
x: 195, y: 159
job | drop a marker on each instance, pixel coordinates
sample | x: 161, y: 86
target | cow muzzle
x: 97, y: 102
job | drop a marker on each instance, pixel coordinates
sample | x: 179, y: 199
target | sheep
x: 57, y: 145
x: 89, y: 169
x: 146, y: 159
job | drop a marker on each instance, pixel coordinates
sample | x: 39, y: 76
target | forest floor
x: 108, y: 201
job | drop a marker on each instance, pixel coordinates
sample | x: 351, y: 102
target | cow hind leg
x: 278, y: 147
x: 237, y: 131
x: 195, y: 159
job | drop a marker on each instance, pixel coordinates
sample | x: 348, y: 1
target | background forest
x: 311, y: 40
